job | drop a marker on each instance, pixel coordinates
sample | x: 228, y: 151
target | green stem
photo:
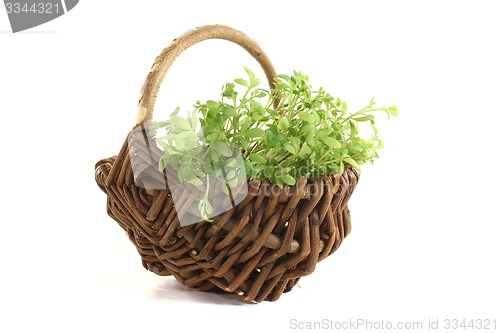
x: 360, y: 112
x: 326, y: 154
x: 328, y: 162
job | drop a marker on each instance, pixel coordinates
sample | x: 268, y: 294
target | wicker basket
x: 257, y: 250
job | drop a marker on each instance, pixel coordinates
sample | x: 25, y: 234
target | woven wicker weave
x: 257, y: 250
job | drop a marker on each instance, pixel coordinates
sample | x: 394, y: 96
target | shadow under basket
x: 257, y: 250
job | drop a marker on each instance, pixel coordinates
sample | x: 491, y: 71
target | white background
x: 425, y: 216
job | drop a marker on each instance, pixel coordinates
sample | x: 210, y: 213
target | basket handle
x: 166, y: 58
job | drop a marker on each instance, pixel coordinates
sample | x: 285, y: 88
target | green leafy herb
x: 308, y: 134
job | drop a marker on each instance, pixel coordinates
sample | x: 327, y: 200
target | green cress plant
x: 289, y: 132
